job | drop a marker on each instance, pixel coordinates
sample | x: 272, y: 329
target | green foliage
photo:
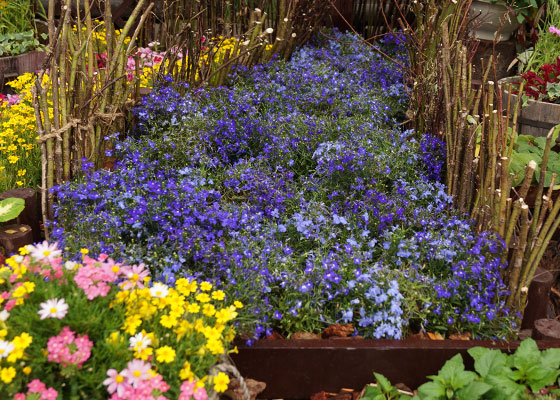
x: 529, y: 148
x: 10, y: 208
x: 497, y: 376
x: 13, y: 44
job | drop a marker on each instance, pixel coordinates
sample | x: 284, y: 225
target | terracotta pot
x: 13, y: 66
x: 491, y: 18
x: 537, y: 118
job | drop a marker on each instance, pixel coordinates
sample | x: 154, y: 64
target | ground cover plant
x: 295, y: 190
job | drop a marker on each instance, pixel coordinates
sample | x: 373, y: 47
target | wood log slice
x: 13, y: 237
x: 546, y: 329
x: 537, y: 298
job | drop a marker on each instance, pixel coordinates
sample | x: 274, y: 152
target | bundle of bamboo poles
x: 78, y: 102
x: 191, y: 29
x: 479, y: 141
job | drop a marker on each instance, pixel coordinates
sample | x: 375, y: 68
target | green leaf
x: 451, y: 368
x: 11, y: 208
x: 431, y: 390
x: 473, y: 391
x: 490, y: 362
x: 550, y: 358
x: 541, y: 142
x: 383, y: 382
x: 519, y: 163
x: 526, y: 355
x: 462, y: 379
x: 504, y: 388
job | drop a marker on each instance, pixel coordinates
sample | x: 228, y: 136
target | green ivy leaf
x: 11, y: 208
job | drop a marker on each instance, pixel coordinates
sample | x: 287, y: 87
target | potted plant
x: 541, y: 79
x: 500, y: 18
x: 19, y: 40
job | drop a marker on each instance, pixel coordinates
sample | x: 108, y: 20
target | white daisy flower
x: 45, y: 251
x: 5, y: 348
x: 53, y: 308
x: 4, y: 315
x: 159, y: 290
x: 139, y: 341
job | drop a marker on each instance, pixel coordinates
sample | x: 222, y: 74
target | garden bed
x: 297, y: 369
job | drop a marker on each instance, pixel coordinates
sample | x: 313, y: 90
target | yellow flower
x: 221, y: 382
x: 208, y: 310
x: 26, y: 370
x: 19, y: 292
x: 165, y: 354
x: 238, y: 304
x: 215, y: 346
x: 218, y: 295
x: 193, y: 308
x: 168, y: 321
x: 205, y: 286
x: 185, y: 373
x: 22, y: 341
x: 203, y: 297
x: 144, y: 354
x: 226, y: 314
x: 7, y: 374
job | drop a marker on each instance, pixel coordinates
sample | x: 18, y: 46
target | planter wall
x: 297, y: 369
x: 537, y: 118
x: 10, y: 67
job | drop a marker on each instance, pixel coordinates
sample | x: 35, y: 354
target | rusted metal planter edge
x: 297, y: 369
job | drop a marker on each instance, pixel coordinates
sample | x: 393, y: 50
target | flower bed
x: 95, y: 330
x: 295, y: 191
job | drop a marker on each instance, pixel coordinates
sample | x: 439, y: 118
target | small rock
x: 305, y: 335
x: 338, y: 331
x: 274, y: 336
x: 235, y: 392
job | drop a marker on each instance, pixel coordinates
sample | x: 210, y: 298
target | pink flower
x: 67, y: 349
x: 19, y: 396
x: 95, y: 278
x: 554, y: 30
x: 135, y: 276
x: 187, y: 390
x: 49, y: 394
x: 36, y: 386
x: 10, y: 304
x: 200, y: 394
x: 116, y: 381
x: 137, y: 371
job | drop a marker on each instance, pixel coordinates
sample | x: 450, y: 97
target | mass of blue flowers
x: 296, y: 191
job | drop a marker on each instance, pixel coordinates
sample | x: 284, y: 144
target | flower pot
x: 492, y: 21
x: 537, y: 118
x: 12, y: 66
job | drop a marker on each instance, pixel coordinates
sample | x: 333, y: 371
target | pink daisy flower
x: 137, y: 371
x: 45, y: 252
x: 116, y: 381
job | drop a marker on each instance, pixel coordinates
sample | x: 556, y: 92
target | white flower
x: 45, y: 251
x: 4, y: 314
x: 70, y: 265
x: 139, y: 342
x: 269, y: 30
x: 159, y: 290
x: 5, y: 348
x: 53, y: 308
